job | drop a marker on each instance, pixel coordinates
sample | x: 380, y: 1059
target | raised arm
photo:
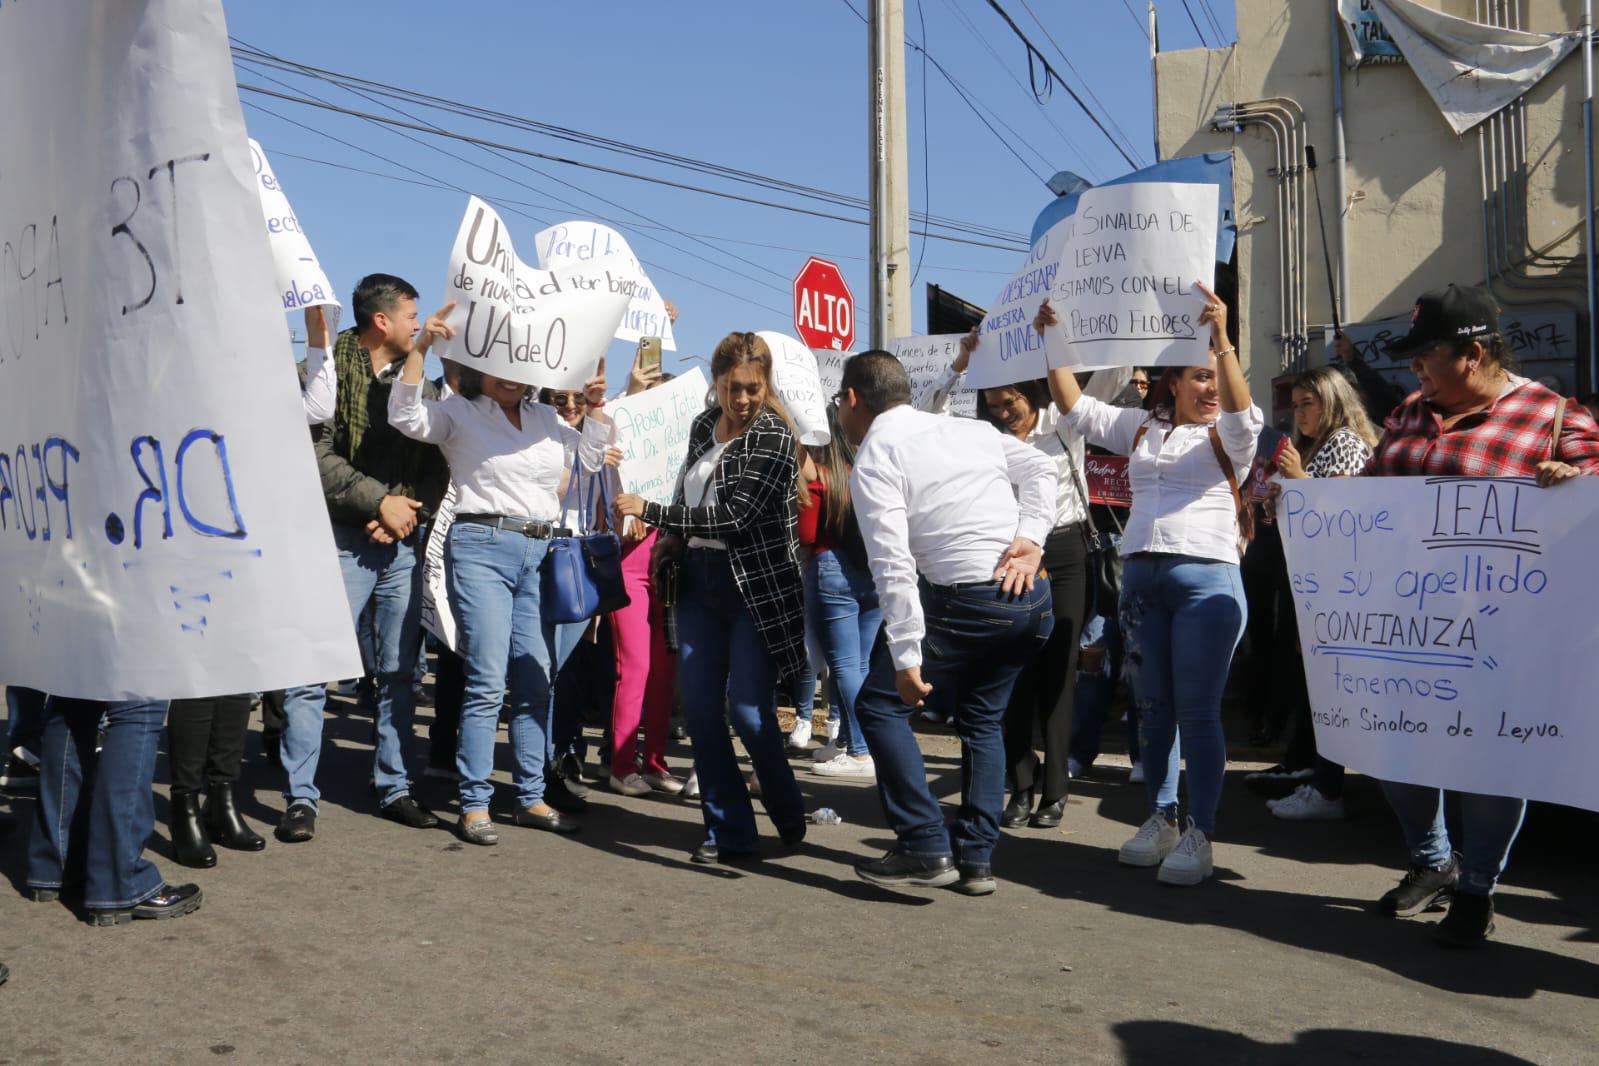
x: 319, y: 393
x: 1230, y: 383
x: 937, y: 400
x: 419, y: 419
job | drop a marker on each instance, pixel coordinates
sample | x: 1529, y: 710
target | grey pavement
x: 376, y: 943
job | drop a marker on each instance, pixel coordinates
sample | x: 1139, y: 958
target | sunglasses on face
x: 567, y: 399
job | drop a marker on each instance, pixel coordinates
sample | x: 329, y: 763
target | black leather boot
x: 222, y: 821
x: 189, y: 844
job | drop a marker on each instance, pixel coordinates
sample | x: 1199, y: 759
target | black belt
x: 525, y: 526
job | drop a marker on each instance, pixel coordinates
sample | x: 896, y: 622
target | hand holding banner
x: 927, y: 360
x: 301, y: 282
x: 652, y: 431
x: 539, y: 327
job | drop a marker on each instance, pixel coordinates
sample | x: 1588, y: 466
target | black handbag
x: 1104, y: 563
x: 581, y: 576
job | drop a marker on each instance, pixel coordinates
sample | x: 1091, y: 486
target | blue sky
x: 775, y: 88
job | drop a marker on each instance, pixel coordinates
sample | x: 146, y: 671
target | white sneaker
x: 846, y: 765
x: 1306, y: 804
x: 1136, y: 776
x: 799, y: 738
x: 832, y: 730
x: 663, y: 783
x: 631, y: 785
x: 1152, y: 843
x: 827, y: 752
x: 691, y: 787
x: 1189, y: 862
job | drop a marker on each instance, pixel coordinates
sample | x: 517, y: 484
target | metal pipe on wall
x: 1340, y: 168
x: 1588, y: 204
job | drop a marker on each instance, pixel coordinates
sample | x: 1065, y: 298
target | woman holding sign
x: 1472, y: 417
x: 509, y: 458
x: 1182, y: 608
x: 741, y: 602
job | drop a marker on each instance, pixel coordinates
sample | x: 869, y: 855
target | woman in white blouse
x: 509, y: 459
x: 1039, y: 715
x: 1182, y: 607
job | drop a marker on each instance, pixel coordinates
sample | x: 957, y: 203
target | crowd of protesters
x: 924, y: 565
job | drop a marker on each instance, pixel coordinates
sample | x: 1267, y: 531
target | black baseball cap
x: 1454, y: 313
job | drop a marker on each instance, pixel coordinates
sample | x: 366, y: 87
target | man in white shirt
x: 953, y: 514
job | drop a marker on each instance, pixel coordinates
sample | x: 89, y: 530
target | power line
x: 1143, y: 29
x: 1215, y: 24
x: 1086, y: 84
x: 1034, y: 53
x: 1195, y: 23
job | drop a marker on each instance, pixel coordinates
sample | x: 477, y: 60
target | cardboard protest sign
x: 830, y: 368
x: 1425, y: 610
x: 927, y: 361
x: 798, y: 382
x: 540, y: 327
x: 301, y: 281
x: 162, y: 527
x: 652, y: 431
x: 1120, y: 274
x: 574, y: 243
x: 437, y: 616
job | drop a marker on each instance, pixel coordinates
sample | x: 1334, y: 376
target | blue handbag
x: 581, y: 575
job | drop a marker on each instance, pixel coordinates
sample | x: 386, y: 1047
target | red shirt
x: 1507, y: 439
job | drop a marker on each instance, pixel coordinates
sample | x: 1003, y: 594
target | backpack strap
x: 1560, y: 416
x: 1246, y: 518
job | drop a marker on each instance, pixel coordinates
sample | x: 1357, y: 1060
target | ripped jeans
x: 1182, y: 619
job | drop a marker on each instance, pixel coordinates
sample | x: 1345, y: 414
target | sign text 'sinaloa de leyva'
x: 1448, y: 629
x: 539, y: 327
x: 797, y: 379
x: 301, y: 281
x: 573, y: 243
x: 1120, y: 273
x: 652, y: 433
x: 162, y: 528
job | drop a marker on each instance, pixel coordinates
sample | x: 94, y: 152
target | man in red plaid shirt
x: 1472, y: 417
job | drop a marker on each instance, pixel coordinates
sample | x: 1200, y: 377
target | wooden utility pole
x: 890, y: 187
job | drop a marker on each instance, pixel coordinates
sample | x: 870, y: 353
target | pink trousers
x: 644, y: 669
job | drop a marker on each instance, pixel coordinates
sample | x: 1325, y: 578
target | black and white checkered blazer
x: 756, y: 515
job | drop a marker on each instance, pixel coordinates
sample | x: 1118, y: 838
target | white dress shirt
x: 1052, y: 434
x: 321, y: 388
x: 496, y: 467
x: 1182, y: 504
x: 943, y: 496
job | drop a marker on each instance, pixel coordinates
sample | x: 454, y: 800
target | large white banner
x: 162, y: 527
x: 574, y: 243
x: 798, y: 380
x: 1448, y: 629
x: 438, y: 617
x: 652, y: 432
x: 301, y: 280
x: 1120, y: 273
x: 539, y: 327
x: 926, y: 361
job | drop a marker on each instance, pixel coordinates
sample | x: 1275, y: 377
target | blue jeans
x: 1182, y: 619
x: 1095, y: 692
x: 1489, y: 825
x: 95, y: 812
x: 976, y: 643
x: 726, y: 670
x: 386, y: 577
x: 24, y: 720
x: 842, y: 602
x: 566, y: 699
x: 493, y: 577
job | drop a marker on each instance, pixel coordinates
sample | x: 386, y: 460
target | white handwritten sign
x: 926, y: 361
x: 798, y: 381
x: 1120, y: 273
x: 830, y: 368
x: 1448, y: 629
x: 652, y: 432
x: 575, y: 243
x: 301, y: 281
x: 162, y: 528
x: 1125, y: 289
x: 539, y: 327
x: 437, y: 616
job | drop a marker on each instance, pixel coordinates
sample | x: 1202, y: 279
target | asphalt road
x: 376, y: 943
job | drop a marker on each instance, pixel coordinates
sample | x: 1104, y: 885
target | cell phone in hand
x: 1270, y: 444
x: 649, y: 354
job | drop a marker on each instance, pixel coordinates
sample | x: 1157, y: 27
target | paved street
x: 377, y: 943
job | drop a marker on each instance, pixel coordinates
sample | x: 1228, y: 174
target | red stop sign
x: 824, y: 310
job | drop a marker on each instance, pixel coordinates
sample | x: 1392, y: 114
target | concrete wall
x: 1415, y: 212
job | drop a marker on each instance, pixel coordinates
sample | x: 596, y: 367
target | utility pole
x: 890, y: 189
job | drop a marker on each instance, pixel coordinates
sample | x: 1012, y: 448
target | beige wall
x: 1415, y: 219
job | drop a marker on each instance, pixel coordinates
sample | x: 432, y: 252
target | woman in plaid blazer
x: 741, y: 605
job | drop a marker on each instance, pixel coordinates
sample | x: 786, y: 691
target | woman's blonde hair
x: 741, y: 349
x: 1341, y: 408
